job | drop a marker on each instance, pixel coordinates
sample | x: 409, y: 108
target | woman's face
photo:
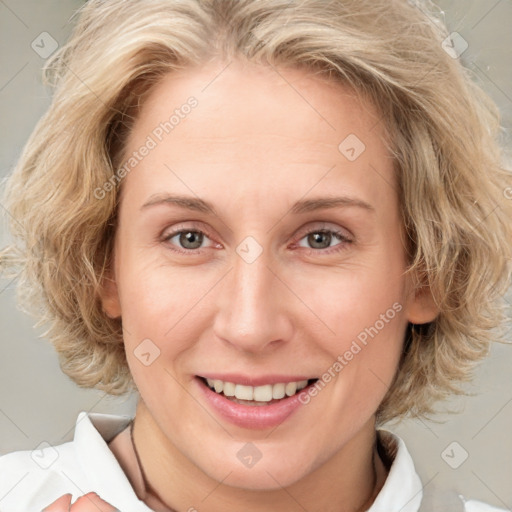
x: 270, y: 283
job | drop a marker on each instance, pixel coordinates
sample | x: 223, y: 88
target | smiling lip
x: 251, y: 416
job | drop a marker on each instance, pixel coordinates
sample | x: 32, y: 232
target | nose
x: 254, y: 307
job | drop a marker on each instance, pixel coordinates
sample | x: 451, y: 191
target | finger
x: 60, y: 505
x: 91, y: 502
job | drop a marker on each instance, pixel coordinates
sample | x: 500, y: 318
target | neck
x: 348, y: 481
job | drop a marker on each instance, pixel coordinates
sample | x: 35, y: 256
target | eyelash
x: 342, y: 237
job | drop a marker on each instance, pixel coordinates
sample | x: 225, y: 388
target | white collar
x: 92, y: 433
x: 402, y: 490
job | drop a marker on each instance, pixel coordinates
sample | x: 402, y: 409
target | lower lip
x: 252, y: 416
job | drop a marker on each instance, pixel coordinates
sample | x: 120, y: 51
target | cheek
x: 156, y: 310
x: 347, y: 302
x: 363, y: 306
x: 164, y: 310
x: 156, y: 298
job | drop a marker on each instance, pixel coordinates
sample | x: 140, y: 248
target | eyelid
x: 324, y: 226
x: 186, y: 226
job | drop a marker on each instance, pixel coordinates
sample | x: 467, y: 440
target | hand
x: 90, y: 502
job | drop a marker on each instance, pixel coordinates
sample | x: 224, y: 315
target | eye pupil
x: 194, y: 238
x: 318, y: 239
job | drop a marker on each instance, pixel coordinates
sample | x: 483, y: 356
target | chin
x: 258, y: 481
x: 266, y: 475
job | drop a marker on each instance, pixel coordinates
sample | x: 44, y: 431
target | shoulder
x: 31, y: 479
x: 404, y: 487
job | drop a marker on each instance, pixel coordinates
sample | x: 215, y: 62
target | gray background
x: 37, y: 402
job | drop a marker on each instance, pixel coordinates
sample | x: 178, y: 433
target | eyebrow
x: 187, y: 202
x: 320, y: 203
x: 302, y: 206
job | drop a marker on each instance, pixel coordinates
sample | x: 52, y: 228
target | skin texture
x: 258, y: 141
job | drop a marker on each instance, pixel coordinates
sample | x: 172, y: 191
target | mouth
x: 267, y: 404
x: 256, y: 396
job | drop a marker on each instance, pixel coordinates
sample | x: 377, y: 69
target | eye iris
x: 317, y: 240
x: 194, y: 238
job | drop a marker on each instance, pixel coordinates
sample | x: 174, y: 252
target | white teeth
x: 264, y: 393
x: 301, y: 384
x: 278, y: 391
x: 229, y: 389
x: 290, y: 389
x: 218, y: 385
x: 243, y: 392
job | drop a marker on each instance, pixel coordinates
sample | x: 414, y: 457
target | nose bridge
x: 251, y: 313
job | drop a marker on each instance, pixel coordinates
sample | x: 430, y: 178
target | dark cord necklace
x: 146, y: 486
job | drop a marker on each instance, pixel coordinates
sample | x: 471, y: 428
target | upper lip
x: 254, y: 381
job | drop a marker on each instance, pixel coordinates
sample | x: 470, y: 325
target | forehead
x: 257, y: 125
x: 261, y: 95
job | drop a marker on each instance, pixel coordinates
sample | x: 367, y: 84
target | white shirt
x: 32, y: 480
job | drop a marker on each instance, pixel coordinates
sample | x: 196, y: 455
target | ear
x: 109, y: 296
x: 421, y: 306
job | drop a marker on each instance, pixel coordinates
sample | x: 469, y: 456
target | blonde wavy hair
x: 443, y: 129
